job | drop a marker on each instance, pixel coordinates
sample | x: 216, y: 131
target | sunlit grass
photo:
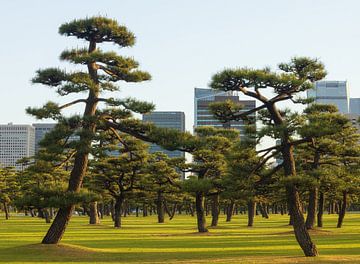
x: 142, y: 240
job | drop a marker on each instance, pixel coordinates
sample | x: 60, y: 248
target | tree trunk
x: 160, y: 207
x: 282, y: 209
x: 137, y: 211
x: 215, y: 210
x: 263, y: 211
x: 342, y: 210
x: 40, y: 213
x: 101, y: 210
x: 32, y: 213
x: 46, y: 216
x: 311, y: 212
x: 94, y: 216
x: 144, y: 210
x: 191, y: 209
x: 301, y: 233
x: 251, y: 212
x: 51, y: 212
x: 230, y: 211
x: 200, y: 212
x: 295, y: 208
x: 6, y: 209
x: 173, y: 211
x: 112, y: 210
x: 117, y: 208
x: 57, y: 228
x: 321, y: 210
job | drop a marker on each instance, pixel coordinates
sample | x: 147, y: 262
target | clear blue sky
x: 181, y: 43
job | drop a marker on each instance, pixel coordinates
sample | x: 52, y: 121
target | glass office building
x: 167, y: 119
x: 355, y: 106
x: 203, y: 97
x: 331, y: 92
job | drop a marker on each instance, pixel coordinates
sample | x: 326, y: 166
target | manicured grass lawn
x: 142, y: 240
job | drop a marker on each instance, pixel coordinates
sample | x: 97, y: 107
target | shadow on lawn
x: 38, y: 253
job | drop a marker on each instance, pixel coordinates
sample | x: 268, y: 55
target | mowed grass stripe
x: 142, y: 240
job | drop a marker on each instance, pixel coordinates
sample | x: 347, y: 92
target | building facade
x: 16, y: 142
x: 355, y: 106
x: 203, y: 97
x: 40, y: 130
x: 166, y: 119
x: 331, y: 92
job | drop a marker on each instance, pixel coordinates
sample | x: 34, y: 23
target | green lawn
x: 142, y: 240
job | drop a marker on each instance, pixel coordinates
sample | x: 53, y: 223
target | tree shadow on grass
x: 38, y: 253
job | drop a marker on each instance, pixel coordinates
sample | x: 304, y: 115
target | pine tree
x: 293, y: 78
x: 9, y: 188
x: 120, y: 173
x: 162, y: 180
x: 103, y: 70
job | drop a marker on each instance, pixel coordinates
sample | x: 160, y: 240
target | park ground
x: 142, y: 240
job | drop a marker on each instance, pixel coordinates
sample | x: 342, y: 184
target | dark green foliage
x: 98, y: 29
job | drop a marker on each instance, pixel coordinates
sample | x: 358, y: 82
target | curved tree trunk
x: 160, y: 207
x: 200, y: 212
x: 57, y: 228
x: 342, y: 210
x: 117, y: 208
x: 94, y: 216
x: 215, y: 210
x: 230, y: 211
x: 321, y: 210
x: 295, y: 208
x: 311, y: 213
x: 251, y: 212
x: 301, y: 233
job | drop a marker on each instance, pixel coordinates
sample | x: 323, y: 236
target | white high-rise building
x: 16, y: 142
x: 331, y: 92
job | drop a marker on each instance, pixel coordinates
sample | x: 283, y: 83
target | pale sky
x: 181, y: 43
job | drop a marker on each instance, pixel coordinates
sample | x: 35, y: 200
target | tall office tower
x: 16, y: 142
x: 167, y: 119
x: 40, y: 130
x: 203, y: 117
x: 355, y: 106
x: 331, y: 92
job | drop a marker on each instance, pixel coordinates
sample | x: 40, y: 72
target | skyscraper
x: 202, y: 115
x: 355, y: 106
x: 167, y: 119
x: 16, y: 142
x: 331, y: 92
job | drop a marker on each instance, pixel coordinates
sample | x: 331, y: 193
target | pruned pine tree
x: 348, y: 154
x: 322, y: 123
x: 103, y: 70
x: 162, y: 180
x: 208, y: 167
x: 291, y: 79
x: 242, y: 177
x: 119, y: 173
x: 40, y: 184
x: 9, y: 188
